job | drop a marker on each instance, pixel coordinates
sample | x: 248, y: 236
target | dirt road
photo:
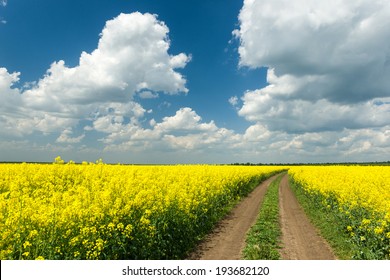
x: 300, y: 240
x: 228, y: 238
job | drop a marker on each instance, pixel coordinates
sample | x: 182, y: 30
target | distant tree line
x: 326, y: 163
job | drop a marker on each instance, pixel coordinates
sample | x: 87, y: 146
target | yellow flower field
x: 360, y: 197
x: 101, y: 211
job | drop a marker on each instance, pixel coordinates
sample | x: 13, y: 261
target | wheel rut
x: 300, y: 239
x: 227, y: 239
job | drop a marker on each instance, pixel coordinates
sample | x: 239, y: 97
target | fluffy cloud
x: 184, y: 130
x: 273, y: 106
x: 147, y: 94
x: 185, y: 119
x: 131, y: 56
x: 328, y: 68
x: 65, y: 137
x: 327, y: 96
x: 337, y: 51
x: 131, y: 59
x: 233, y: 101
x: 10, y: 97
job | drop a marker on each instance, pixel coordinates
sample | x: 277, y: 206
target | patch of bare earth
x: 227, y: 239
x: 300, y: 239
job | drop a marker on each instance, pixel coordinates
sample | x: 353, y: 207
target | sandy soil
x: 227, y: 240
x: 300, y: 240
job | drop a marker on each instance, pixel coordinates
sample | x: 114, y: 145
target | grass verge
x: 263, y: 238
x: 327, y: 221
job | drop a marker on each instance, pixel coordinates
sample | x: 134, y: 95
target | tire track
x: 227, y: 240
x: 300, y: 239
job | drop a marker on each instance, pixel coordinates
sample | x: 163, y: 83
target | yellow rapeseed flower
x: 68, y: 210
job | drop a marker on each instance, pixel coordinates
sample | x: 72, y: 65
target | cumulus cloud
x: 233, y: 100
x: 256, y: 133
x: 337, y: 51
x: 328, y: 64
x: 297, y: 115
x: 65, y: 137
x: 184, y: 130
x: 112, y: 116
x: 131, y: 56
x: 328, y: 67
x: 185, y: 119
x: 9, y: 96
x: 148, y: 94
x: 327, y: 97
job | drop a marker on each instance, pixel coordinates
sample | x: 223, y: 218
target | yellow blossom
x: 74, y: 210
x: 26, y: 244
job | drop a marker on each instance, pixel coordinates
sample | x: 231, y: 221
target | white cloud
x: 203, y: 142
x: 233, y: 100
x: 327, y: 98
x: 148, y: 94
x: 333, y: 50
x: 296, y: 115
x: 132, y: 53
x: 119, y: 121
x: 65, y: 137
x: 256, y: 133
x: 132, y: 56
x: 185, y: 119
x: 179, y: 61
x: 9, y: 97
x: 328, y: 92
x: 184, y: 130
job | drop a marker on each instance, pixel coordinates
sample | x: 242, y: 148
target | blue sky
x: 41, y: 32
x: 194, y: 81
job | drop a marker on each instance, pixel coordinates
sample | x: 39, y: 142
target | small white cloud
x: 65, y: 137
x: 148, y: 94
x: 185, y: 119
x: 164, y: 104
x: 88, y: 128
x: 256, y: 133
x: 152, y: 122
x: 179, y: 61
x: 3, y: 3
x: 233, y: 100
